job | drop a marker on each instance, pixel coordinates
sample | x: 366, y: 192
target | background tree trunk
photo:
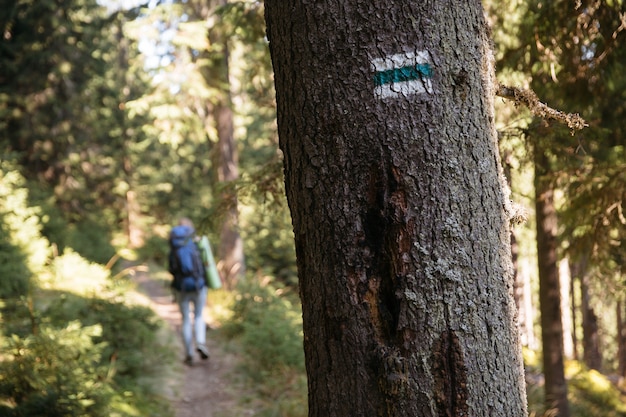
x: 591, y: 337
x: 621, y: 339
x: 230, y: 253
x: 549, y: 290
x: 231, y: 257
x: 565, y: 277
x: 574, y: 310
x: 393, y: 179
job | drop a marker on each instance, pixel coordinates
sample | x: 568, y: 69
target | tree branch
x: 529, y: 99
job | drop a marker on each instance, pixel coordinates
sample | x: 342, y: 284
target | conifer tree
x: 385, y: 118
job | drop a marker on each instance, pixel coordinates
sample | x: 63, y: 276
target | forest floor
x: 209, y: 387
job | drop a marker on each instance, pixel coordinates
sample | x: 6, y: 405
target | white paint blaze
x: 404, y: 88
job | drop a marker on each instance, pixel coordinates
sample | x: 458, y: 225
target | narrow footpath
x: 207, y: 388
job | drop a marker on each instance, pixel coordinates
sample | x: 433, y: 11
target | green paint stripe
x: 398, y: 75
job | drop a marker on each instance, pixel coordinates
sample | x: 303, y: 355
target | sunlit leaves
x: 192, y: 35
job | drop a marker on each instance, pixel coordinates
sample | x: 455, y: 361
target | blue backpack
x: 185, y: 263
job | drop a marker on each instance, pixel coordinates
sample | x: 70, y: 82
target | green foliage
x: 268, y: 322
x: 590, y: 393
x: 129, y: 331
x: 40, y: 382
x: 265, y: 222
x: 12, y: 266
x: 21, y: 221
x: 90, y: 366
x: 269, y: 244
x: 89, y: 235
x: 22, y: 249
x: 155, y: 248
x: 91, y: 239
x: 80, y: 368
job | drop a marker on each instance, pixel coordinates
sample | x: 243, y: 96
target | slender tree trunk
x: 231, y: 265
x: 132, y: 220
x: 549, y: 290
x: 231, y: 257
x: 385, y: 116
x: 133, y: 209
x: 528, y: 312
x: 621, y: 339
x: 591, y: 337
x: 574, y: 312
x: 565, y: 277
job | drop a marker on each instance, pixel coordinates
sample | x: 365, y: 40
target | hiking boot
x: 188, y: 361
x: 203, y: 351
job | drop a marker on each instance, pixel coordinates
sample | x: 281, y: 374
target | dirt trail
x: 208, y: 387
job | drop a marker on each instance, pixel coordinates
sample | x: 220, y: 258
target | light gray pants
x: 198, y: 299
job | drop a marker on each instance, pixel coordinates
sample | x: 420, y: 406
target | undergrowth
x: 590, y: 394
x: 70, y: 342
x: 80, y: 353
x: 267, y: 322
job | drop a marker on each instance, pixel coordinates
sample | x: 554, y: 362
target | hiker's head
x: 185, y: 221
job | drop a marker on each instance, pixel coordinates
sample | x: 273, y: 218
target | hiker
x: 189, y: 286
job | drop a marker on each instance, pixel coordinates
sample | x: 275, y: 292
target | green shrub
x: 270, y: 325
x: 269, y: 243
x: 591, y: 394
x: 97, y: 365
x: 23, y: 251
x: 75, y: 274
x: 57, y: 372
x: 156, y: 248
x: 13, y: 270
x: 93, y: 366
x: 92, y: 240
x: 267, y: 320
x: 128, y: 331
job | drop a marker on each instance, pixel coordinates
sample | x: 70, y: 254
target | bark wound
x: 384, y: 227
x: 450, y: 380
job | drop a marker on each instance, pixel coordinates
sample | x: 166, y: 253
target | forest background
x: 115, y: 121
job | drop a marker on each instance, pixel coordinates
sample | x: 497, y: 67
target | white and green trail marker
x: 402, y: 75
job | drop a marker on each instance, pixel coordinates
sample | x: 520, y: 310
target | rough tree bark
x: 549, y: 290
x: 385, y: 118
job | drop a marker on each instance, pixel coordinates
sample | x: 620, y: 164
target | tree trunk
x: 385, y: 118
x: 621, y: 339
x: 574, y: 311
x: 231, y: 265
x: 133, y: 211
x: 527, y: 312
x: 565, y: 277
x: 549, y: 290
x: 231, y: 257
x: 591, y: 337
